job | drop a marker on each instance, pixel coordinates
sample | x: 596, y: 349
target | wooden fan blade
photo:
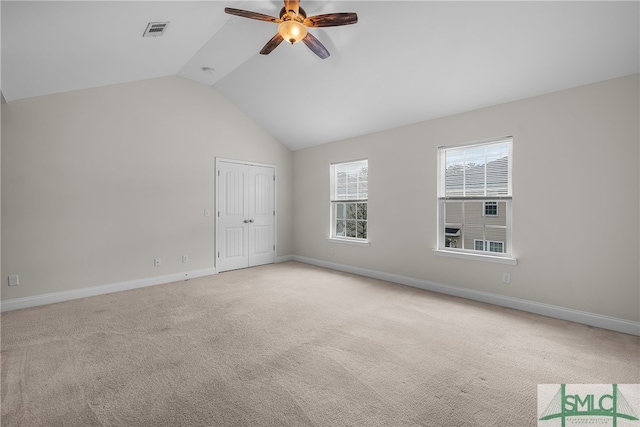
x: 315, y: 45
x: 331, y: 20
x: 252, y: 15
x: 271, y: 44
x: 293, y: 5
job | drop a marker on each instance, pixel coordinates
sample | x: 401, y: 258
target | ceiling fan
x: 293, y: 26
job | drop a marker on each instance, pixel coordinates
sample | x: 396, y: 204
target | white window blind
x: 477, y: 170
x: 351, y: 181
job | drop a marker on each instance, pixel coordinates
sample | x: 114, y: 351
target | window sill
x: 348, y: 241
x: 476, y: 257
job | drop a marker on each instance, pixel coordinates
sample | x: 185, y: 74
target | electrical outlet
x: 506, y: 278
x: 331, y: 251
x: 156, y: 262
x: 185, y: 258
x: 14, y: 280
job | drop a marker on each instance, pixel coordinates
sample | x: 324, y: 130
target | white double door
x: 245, y: 231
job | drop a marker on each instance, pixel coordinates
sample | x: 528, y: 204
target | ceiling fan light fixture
x: 292, y: 31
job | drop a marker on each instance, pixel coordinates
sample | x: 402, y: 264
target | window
x: 488, y: 245
x: 474, y: 198
x: 349, y: 196
x: 490, y: 208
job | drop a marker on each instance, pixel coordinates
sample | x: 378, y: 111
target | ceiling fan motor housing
x: 287, y: 15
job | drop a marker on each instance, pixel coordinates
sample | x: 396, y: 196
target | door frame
x: 216, y: 203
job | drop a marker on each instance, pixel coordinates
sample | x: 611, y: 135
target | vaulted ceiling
x: 402, y: 63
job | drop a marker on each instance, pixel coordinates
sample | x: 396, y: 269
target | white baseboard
x: 591, y: 319
x: 284, y: 258
x: 50, y: 298
x: 26, y: 302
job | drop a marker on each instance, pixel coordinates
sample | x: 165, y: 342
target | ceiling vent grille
x: 155, y: 29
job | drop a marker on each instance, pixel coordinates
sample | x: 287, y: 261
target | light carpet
x: 293, y: 345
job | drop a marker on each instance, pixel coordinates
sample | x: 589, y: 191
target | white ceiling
x: 402, y: 63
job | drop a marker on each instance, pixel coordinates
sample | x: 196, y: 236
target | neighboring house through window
x: 474, y: 197
x: 349, y: 197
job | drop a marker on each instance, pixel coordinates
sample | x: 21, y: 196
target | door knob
x: 246, y: 221
x: 250, y: 220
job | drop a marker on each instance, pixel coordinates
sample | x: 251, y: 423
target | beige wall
x: 575, y: 163
x: 97, y: 183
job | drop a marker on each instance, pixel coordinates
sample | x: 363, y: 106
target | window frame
x: 335, y: 201
x: 505, y: 199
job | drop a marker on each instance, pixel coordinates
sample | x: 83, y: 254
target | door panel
x: 234, y: 193
x: 234, y: 239
x: 261, y: 240
x: 232, y: 211
x: 261, y: 193
x: 245, y: 215
x: 261, y: 212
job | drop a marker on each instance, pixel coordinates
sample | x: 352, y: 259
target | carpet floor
x: 293, y: 345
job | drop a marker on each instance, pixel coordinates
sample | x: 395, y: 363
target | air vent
x: 155, y: 29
